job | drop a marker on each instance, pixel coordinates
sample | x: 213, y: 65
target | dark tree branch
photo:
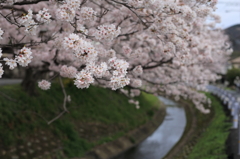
x: 29, y: 2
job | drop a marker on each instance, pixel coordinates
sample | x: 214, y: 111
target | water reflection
x: 164, y: 138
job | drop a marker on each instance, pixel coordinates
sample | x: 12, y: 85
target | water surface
x: 164, y: 138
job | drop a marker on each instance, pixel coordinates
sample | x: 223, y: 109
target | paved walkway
x: 9, y: 81
x: 232, y: 144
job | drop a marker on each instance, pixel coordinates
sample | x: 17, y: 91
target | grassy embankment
x: 211, y: 143
x: 96, y: 115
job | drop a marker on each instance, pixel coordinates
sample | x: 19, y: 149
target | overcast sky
x: 229, y: 10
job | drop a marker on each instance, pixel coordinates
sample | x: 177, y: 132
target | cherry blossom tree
x: 147, y: 45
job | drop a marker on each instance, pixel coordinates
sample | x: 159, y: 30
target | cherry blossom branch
x: 130, y: 8
x: 29, y: 2
x: 105, y: 41
x: 65, y: 110
x: 65, y: 95
x: 31, y: 43
x: 9, y: 20
x: 57, y: 117
x: 159, y: 64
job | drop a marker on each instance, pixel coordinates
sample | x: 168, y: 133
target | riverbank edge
x: 191, y: 134
x: 133, y: 138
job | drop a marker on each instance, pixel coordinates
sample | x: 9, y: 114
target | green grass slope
x: 211, y: 144
x: 96, y: 115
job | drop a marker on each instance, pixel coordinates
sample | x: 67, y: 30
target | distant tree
x: 232, y: 74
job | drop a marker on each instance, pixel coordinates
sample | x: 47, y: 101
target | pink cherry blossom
x: 44, y: 85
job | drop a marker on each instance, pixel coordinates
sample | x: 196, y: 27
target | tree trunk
x: 30, y: 80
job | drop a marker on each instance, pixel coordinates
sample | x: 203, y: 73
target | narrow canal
x: 164, y: 138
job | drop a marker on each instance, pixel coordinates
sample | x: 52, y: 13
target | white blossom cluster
x: 86, y: 52
x: 44, y: 85
x: 138, y: 70
x: 11, y: 2
x: 1, y: 33
x: 43, y: 16
x: 119, y: 82
x: 127, y: 50
x: 1, y: 70
x: 67, y: 11
x: 24, y: 57
x: 82, y: 49
x: 111, y: 53
x: 188, y: 13
x: 87, y: 13
x: 140, y: 3
x: 203, y: 11
x: 83, y: 79
x: 131, y: 94
x: 29, y: 23
x: 135, y: 92
x: 119, y: 79
x: 69, y: 72
x: 136, y: 83
x: 73, y: 3
x: 11, y: 63
x: 136, y: 103
x: 135, y: 3
x: 82, y: 29
x: 107, y: 32
x: 111, y: 43
x: 100, y: 70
